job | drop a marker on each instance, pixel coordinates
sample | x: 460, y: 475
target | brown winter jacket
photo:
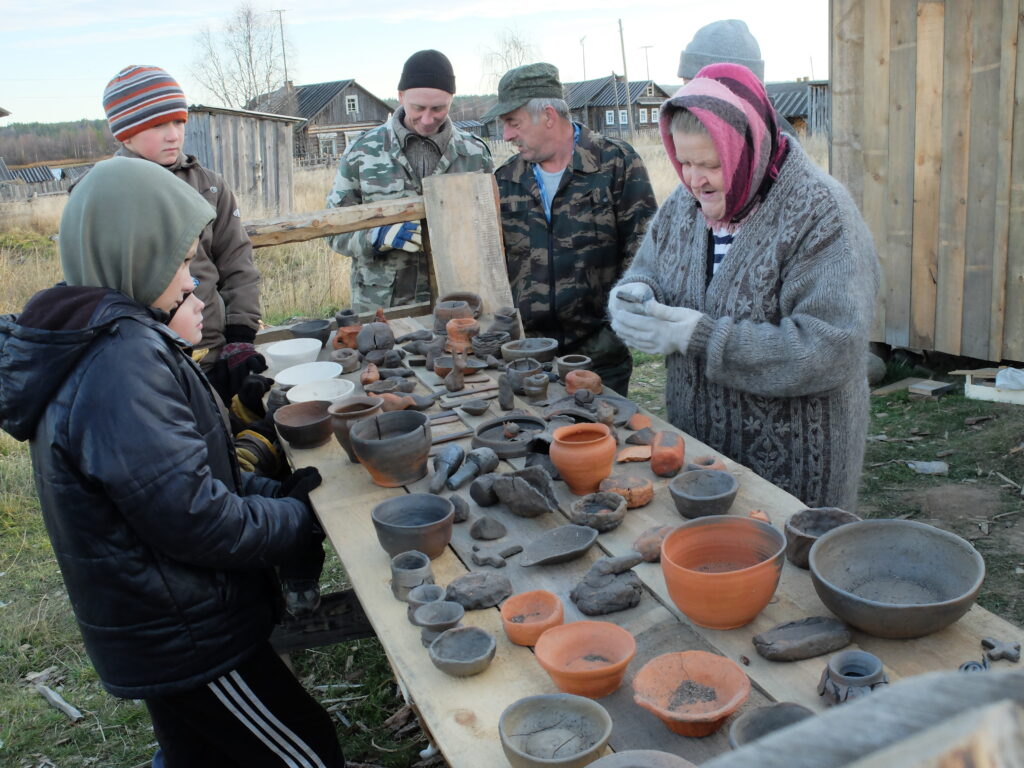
x: 229, y: 283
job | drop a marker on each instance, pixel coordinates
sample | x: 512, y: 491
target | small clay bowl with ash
x: 463, y: 651
x: 554, y: 729
x: 691, y: 692
x: 527, y: 615
x: 601, y: 511
x: 586, y: 658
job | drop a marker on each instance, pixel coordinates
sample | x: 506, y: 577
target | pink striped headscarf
x: 731, y: 103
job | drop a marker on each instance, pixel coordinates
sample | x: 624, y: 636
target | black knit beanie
x: 428, y: 69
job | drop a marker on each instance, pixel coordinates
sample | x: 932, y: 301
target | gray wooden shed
x: 252, y: 150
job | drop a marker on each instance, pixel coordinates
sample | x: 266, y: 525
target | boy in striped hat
x: 147, y: 112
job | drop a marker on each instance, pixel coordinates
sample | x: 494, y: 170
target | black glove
x: 252, y: 390
x: 239, y: 333
x: 235, y: 362
x: 299, y: 483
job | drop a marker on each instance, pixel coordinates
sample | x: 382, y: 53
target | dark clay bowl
x: 896, y: 578
x: 393, y: 446
x: 540, y: 349
x: 554, y: 729
x: 304, y: 425
x: 313, y: 329
x: 476, y: 304
x: 755, y: 723
x: 806, y: 526
x: 463, y: 651
x: 419, y: 521
x: 703, y: 492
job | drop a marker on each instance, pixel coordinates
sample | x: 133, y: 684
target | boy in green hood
x: 166, y: 548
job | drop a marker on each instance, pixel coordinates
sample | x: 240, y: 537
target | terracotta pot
x: 583, y: 455
x: 448, y: 310
x: 345, y: 338
x: 709, y: 461
x: 347, y: 412
x: 580, y: 379
x: 460, y: 331
x: 806, y: 526
x: 527, y: 615
x: 587, y: 658
x: 691, y: 692
x: 414, y: 521
x: 393, y: 447
x: 571, y: 363
x: 722, y: 571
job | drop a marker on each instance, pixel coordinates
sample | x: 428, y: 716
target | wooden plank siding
x: 928, y: 136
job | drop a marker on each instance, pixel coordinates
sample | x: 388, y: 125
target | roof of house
x: 75, y: 171
x: 790, y: 99
x: 5, y: 172
x: 243, y: 113
x: 467, y: 124
x: 4, y: 112
x: 34, y: 174
x: 305, y: 101
x: 602, y: 93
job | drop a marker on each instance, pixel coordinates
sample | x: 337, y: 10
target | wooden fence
x: 928, y: 135
x: 13, y: 192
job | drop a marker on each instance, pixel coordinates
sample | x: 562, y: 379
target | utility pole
x: 625, y: 76
x: 583, y: 48
x: 618, y: 104
x: 284, y: 55
x: 647, y: 61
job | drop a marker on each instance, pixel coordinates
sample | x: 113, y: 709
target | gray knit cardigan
x: 775, y: 374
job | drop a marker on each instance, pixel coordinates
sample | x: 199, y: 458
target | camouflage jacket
x: 561, y: 272
x: 373, y: 168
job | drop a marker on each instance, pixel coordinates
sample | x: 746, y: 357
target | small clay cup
x: 691, y: 692
x: 536, y: 386
x: 393, y: 446
x: 554, y: 730
x: 708, y: 461
x: 850, y: 675
x: 304, y: 425
x: 347, y: 412
x: 580, y: 379
x: 420, y: 521
x: 347, y: 358
x: 755, y: 723
x: 804, y: 528
x: 313, y: 329
x: 540, y: 349
x: 463, y: 651
x: 602, y: 511
x: 527, y: 615
x: 519, y: 369
x: 703, y: 492
x: 421, y: 595
x: 586, y: 658
x: 408, y: 571
x: 572, y: 363
x: 473, y: 300
x: 448, y: 310
x: 437, y: 617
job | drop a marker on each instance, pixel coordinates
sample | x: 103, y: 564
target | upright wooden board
x: 467, y: 251
x: 1013, y: 332
x: 847, y: 54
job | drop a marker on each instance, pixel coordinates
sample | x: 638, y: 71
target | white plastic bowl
x: 285, y: 354
x: 307, y: 372
x: 331, y: 390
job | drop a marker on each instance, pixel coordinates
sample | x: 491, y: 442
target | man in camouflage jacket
x: 389, y: 267
x: 574, y: 207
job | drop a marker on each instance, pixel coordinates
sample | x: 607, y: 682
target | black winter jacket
x: 165, y: 547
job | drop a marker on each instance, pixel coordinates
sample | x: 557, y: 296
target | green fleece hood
x: 128, y: 226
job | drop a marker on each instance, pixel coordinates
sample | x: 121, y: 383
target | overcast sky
x: 56, y: 56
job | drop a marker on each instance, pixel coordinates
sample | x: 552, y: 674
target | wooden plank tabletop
x: 462, y: 713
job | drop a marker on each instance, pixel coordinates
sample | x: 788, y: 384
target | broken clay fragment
x: 369, y: 375
x: 526, y: 492
x: 634, y: 453
x: 644, y: 436
x: 637, y: 491
x: 461, y: 507
x: 803, y: 639
x: 759, y: 514
x: 487, y: 529
x: 479, y: 590
x: 667, y: 453
x: 609, y: 586
x: 639, y: 421
x: 648, y: 543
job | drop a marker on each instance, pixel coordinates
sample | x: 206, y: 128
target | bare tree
x: 242, y: 61
x: 512, y: 49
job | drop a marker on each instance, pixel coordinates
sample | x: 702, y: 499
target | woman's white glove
x: 660, y: 330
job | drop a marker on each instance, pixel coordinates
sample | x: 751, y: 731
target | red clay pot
x: 667, y: 453
x: 583, y: 455
x: 460, y: 331
x: 528, y: 615
x: 345, y: 338
x: 587, y: 658
x: 581, y: 379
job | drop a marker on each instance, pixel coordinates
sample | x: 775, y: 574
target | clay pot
x: 540, y: 349
x: 637, y: 491
x: 667, y: 453
x: 518, y: 371
x: 419, y: 521
x: 691, y: 692
x: 408, y: 571
x: 393, y: 447
x: 346, y: 336
x: 601, y: 511
x: 755, y: 723
x: 449, y: 310
x: 347, y: 412
x: 304, y: 425
x: 703, y: 492
x: 489, y: 343
x: 345, y: 316
x: 313, y: 329
x: 421, y: 595
x: 460, y: 330
x: 587, y: 658
x: 708, y: 461
x: 554, y: 730
x: 435, y: 618
x: 580, y: 379
x: 473, y: 300
x: 536, y: 386
x: 804, y: 528
x: 527, y: 615
x: 572, y: 363
x: 722, y: 571
x: 463, y: 651
x: 583, y: 455
x: 850, y: 675
x: 347, y: 358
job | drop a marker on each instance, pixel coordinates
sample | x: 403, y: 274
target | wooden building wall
x: 370, y: 109
x: 928, y: 135
x: 254, y: 154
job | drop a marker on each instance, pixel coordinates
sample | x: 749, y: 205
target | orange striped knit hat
x: 142, y: 97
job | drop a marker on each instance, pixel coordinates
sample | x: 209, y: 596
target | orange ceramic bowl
x: 721, y: 571
x: 529, y: 614
x: 691, y: 692
x: 587, y: 658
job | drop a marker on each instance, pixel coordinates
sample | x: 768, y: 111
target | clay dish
x: 527, y: 615
x: 304, y: 425
x: 755, y: 723
x: 421, y: 595
x: 806, y: 526
x: 702, y: 492
x: 691, y: 692
x: 476, y: 407
x: 291, y: 352
x: 722, y: 571
x: 331, y: 390
x: 392, y: 446
x: 307, y: 372
x: 313, y: 329
x: 474, y: 301
x: 491, y: 434
x: 602, y: 511
x: 554, y: 729
x: 642, y: 758
x: 587, y: 658
x: 438, y: 615
x: 896, y: 578
x: 559, y: 545
x: 540, y: 349
x: 420, y: 521
x: 463, y: 651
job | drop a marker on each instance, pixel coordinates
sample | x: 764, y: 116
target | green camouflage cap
x: 519, y: 85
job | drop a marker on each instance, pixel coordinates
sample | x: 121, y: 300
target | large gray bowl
x: 554, y: 729
x: 703, y: 492
x: 895, y: 578
x: 420, y: 521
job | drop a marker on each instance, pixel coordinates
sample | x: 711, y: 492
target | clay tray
x: 559, y: 545
x: 489, y: 435
x: 624, y: 408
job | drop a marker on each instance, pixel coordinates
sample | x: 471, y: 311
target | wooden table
x: 462, y: 714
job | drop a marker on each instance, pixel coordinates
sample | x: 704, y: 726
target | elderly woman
x: 763, y: 277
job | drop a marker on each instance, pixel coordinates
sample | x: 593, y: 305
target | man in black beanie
x: 389, y: 267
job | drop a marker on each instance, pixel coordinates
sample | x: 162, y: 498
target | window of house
x: 654, y: 114
x: 643, y: 115
x: 622, y: 117
x: 609, y: 117
x: 351, y: 105
x: 650, y: 90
